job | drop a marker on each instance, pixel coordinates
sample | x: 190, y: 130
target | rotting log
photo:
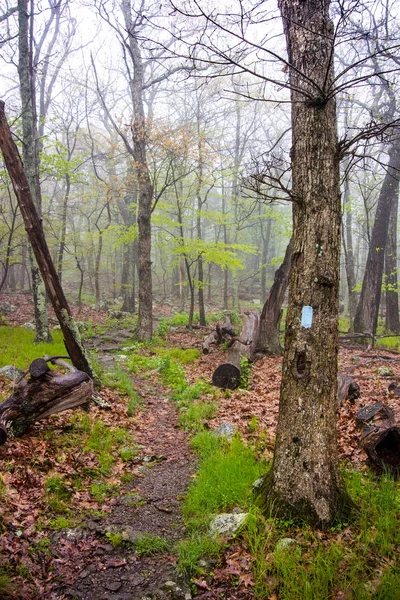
x: 44, y: 393
x: 222, y: 333
x: 348, y: 389
x: 227, y: 375
x: 380, y: 437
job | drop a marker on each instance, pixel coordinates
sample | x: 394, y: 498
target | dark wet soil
x: 149, y: 506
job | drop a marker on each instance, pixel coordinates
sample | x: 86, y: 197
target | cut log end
x: 3, y: 435
x: 226, y: 376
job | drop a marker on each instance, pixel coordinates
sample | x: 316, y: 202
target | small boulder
x: 11, y: 372
x: 284, y: 544
x: 225, y: 430
x: 227, y: 524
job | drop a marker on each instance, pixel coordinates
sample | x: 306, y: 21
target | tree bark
x: 33, y: 226
x: 304, y: 482
x: 366, y: 319
x: 391, y: 280
x: 268, y: 340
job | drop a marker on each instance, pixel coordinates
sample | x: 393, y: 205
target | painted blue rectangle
x: 307, y: 316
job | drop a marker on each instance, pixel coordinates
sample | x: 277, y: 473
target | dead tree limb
x: 222, y: 333
x: 380, y: 437
x: 43, y: 394
x: 227, y: 374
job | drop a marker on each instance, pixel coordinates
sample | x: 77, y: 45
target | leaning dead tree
x: 380, y: 436
x: 227, y: 375
x: 268, y: 336
x: 44, y: 393
x: 34, y: 229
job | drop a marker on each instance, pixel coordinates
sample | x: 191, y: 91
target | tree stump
x: 43, y: 394
x: 348, y: 389
x: 227, y: 375
x: 380, y: 437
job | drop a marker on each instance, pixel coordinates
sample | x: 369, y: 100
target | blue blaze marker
x: 306, y: 316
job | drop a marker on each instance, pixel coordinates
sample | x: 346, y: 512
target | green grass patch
x: 17, y: 347
x: 357, y: 560
x: 194, y: 417
x: 147, y: 545
x: 224, y: 481
x: 121, y: 381
x: 102, y: 440
x: 6, y: 586
x: 103, y: 490
x: 191, y: 551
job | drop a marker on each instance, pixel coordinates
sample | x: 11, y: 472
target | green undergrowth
x: 356, y: 561
x: 18, y: 348
x: 119, y: 380
x: 6, y: 587
x: 224, y: 481
x: 144, y: 545
x: 196, y: 402
x: 86, y: 454
x: 181, y: 320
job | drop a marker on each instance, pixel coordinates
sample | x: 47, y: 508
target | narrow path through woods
x: 149, y: 506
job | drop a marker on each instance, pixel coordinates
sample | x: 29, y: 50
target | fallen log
x: 44, y: 393
x: 348, y: 389
x: 227, y: 375
x: 222, y: 333
x: 380, y: 437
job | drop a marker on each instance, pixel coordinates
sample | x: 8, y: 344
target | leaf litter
x: 56, y: 562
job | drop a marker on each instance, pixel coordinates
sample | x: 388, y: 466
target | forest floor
x: 76, y: 527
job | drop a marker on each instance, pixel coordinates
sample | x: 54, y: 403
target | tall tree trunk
x: 33, y: 226
x: 61, y: 248
x: 265, y: 236
x: 200, y: 203
x: 304, y: 482
x: 349, y: 254
x: 391, y: 279
x: 268, y: 340
x: 145, y: 186
x: 31, y: 156
x: 366, y: 319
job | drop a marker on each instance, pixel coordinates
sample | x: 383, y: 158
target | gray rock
x: 121, y: 358
x: 258, y: 484
x: 6, y: 308
x: 284, y: 544
x: 227, y: 524
x: 225, y: 430
x: 176, y: 591
x: 128, y: 533
x: 113, y: 586
x: 29, y: 326
x: 11, y: 372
